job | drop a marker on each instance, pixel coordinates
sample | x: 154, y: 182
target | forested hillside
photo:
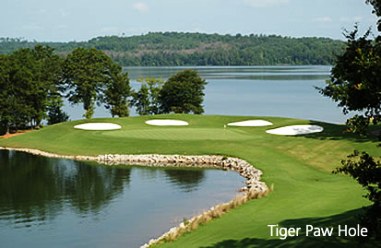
x: 176, y: 49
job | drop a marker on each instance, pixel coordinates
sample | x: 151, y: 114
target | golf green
x: 297, y: 168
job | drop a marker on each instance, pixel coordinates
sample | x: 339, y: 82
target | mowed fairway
x: 298, y: 168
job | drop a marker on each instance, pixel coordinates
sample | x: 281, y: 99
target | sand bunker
x: 251, y: 123
x: 167, y: 123
x: 98, y: 126
x: 296, y: 130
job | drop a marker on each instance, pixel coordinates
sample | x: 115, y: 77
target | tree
x: 48, y: 77
x: 28, y: 78
x: 146, y: 99
x: 355, y: 84
x: 140, y: 99
x: 355, y: 79
x: 377, y: 10
x: 55, y: 113
x: 183, y: 93
x: 85, y: 75
x: 116, y: 92
x: 91, y: 77
x: 7, y: 106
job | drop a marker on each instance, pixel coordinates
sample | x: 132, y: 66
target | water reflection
x: 62, y: 203
x: 34, y: 187
x: 186, y: 180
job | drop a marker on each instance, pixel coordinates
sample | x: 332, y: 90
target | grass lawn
x: 297, y: 167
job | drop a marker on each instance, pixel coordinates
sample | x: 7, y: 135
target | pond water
x: 285, y: 91
x: 63, y: 203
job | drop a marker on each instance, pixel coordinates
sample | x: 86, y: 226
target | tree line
x: 180, y: 49
x: 34, y: 82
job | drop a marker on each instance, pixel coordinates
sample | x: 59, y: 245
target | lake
x: 48, y: 202
x: 62, y: 203
x: 285, y: 91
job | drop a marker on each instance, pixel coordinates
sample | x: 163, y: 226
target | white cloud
x: 323, y: 19
x: 265, y: 3
x: 141, y: 7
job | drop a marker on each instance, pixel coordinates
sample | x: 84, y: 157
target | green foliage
x: 355, y: 80
x: 146, y: 99
x: 92, y: 77
x: 178, y: 49
x: 27, y: 78
x: 377, y: 10
x: 358, y: 124
x: 183, y: 93
x: 116, y: 92
x: 83, y: 73
x: 55, y: 113
x: 355, y: 77
x: 140, y: 99
x: 367, y: 172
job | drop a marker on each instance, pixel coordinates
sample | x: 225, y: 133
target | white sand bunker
x: 296, y: 130
x: 167, y: 123
x: 98, y: 126
x: 251, y: 123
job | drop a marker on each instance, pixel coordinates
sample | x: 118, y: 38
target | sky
x: 81, y: 20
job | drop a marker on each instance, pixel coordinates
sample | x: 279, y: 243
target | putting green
x: 297, y: 167
x: 184, y: 133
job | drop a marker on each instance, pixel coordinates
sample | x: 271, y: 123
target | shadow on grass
x: 337, y: 132
x: 350, y: 218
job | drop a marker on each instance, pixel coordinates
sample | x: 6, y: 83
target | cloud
x: 265, y: 3
x: 323, y: 19
x: 141, y: 7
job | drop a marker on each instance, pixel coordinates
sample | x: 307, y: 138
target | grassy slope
x: 305, y: 192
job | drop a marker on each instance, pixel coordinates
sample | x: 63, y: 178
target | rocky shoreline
x: 254, y: 187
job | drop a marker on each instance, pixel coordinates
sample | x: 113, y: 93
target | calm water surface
x: 286, y: 91
x: 63, y: 203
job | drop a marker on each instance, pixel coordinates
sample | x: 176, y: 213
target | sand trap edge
x: 296, y: 130
x: 98, y: 126
x: 164, y: 122
x: 250, y: 123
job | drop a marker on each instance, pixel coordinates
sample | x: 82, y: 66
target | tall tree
x: 140, y: 99
x: 48, y: 74
x: 355, y: 80
x: 28, y: 77
x: 54, y: 110
x: 183, y: 93
x: 146, y: 99
x: 86, y: 74
x: 117, y: 91
x: 91, y: 77
x: 356, y: 85
x: 8, y: 106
